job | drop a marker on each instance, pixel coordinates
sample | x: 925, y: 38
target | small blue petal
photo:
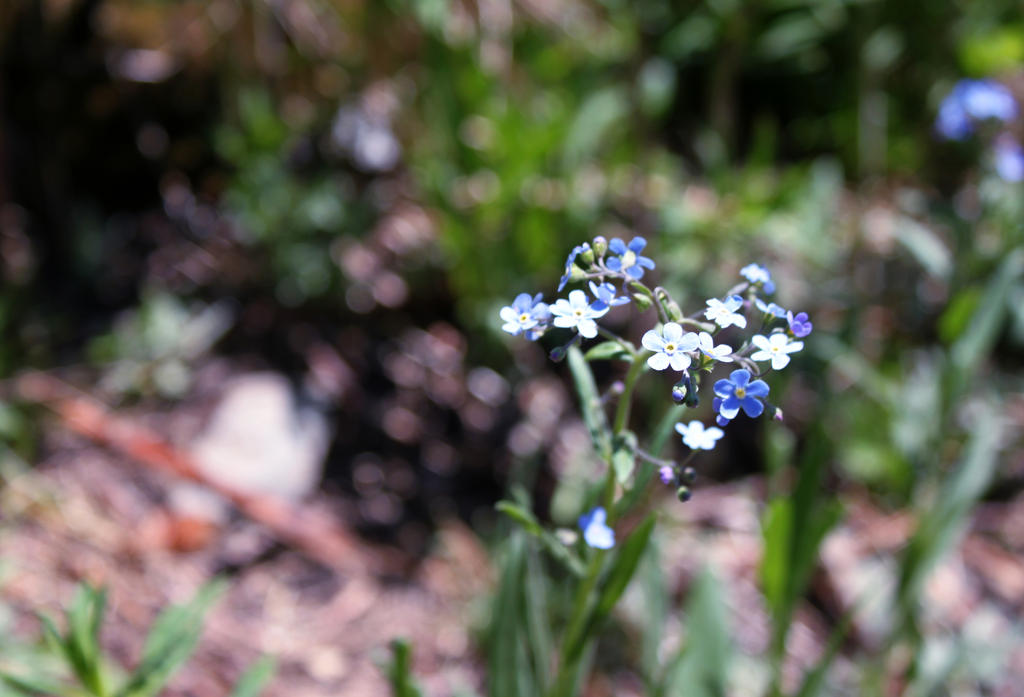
x: 752, y: 407
x: 740, y: 377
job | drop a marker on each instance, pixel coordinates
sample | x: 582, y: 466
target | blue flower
x: 738, y: 392
x: 769, y: 308
x: 799, y: 324
x: 696, y: 437
x: 526, y: 314
x: 595, y: 532
x: 570, y: 260
x: 724, y: 313
x: 970, y: 101
x: 576, y: 313
x: 755, y: 273
x: 605, y: 294
x: 1009, y: 158
x: 670, y: 347
x: 629, y: 260
x: 987, y: 99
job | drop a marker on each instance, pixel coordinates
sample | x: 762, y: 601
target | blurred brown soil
x: 86, y: 515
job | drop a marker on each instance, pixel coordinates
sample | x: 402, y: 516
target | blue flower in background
x: 971, y: 101
x: 525, y: 314
x: 799, y: 324
x: 570, y: 260
x: 769, y: 308
x: 755, y: 273
x: 1009, y: 158
x: 595, y: 532
x: 629, y: 260
x: 605, y: 294
x: 738, y: 392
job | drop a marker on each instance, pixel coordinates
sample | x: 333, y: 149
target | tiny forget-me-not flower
x: 577, y: 313
x: 706, y: 344
x: 769, y: 308
x: 775, y: 348
x: 724, y: 313
x: 669, y: 347
x: 595, y: 532
x: 696, y: 437
x: 525, y: 314
x: 605, y: 294
x: 973, y: 100
x: 738, y: 392
x: 570, y: 260
x: 629, y: 260
x: 755, y: 273
x: 799, y: 324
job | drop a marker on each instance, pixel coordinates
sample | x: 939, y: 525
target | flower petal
x: 752, y: 407
x: 758, y: 388
x: 724, y: 388
x: 652, y: 341
x: 658, y: 361
x: 740, y: 377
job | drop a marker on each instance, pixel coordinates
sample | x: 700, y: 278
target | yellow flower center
x: 740, y: 392
x: 670, y: 347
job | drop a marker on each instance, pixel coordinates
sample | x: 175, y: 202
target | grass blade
x: 255, y: 678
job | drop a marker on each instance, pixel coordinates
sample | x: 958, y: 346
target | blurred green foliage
x: 85, y: 670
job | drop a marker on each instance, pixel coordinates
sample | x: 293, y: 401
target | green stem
x: 626, y: 399
x: 572, y: 642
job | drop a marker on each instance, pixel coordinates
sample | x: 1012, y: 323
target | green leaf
x: 36, y: 686
x: 608, y: 351
x: 255, y: 678
x: 702, y: 667
x: 619, y: 575
x: 507, y: 663
x: 552, y: 544
x: 171, y: 641
x: 624, y: 447
x: 977, y: 340
x: 590, y: 403
x: 939, y: 528
x: 400, y: 671
x: 520, y: 515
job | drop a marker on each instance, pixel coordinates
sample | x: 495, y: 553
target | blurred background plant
x: 346, y: 192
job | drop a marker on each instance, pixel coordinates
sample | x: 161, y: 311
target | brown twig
x: 317, y: 535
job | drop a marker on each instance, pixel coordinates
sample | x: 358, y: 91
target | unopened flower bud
x: 684, y: 494
x: 617, y: 387
x: 777, y: 415
x: 587, y: 255
x: 643, y: 302
x: 678, y: 392
x: 558, y: 354
x: 688, y: 475
x: 600, y: 246
x: 667, y: 474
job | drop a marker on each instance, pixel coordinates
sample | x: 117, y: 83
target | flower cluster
x: 973, y: 103
x: 688, y: 346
